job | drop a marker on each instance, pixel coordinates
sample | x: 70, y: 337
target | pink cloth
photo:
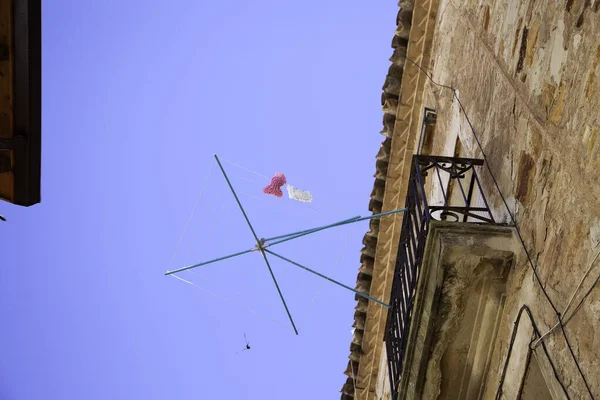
x: 274, y: 187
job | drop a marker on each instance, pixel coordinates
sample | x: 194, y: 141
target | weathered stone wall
x: 527, y: 73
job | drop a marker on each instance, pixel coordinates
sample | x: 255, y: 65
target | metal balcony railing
x: 440, y: 188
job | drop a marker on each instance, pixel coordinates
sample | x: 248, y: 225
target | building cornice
x: 402, y: 101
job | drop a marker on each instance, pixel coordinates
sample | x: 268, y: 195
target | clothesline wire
x: 250, y: 180
x: 220, y: 297
x: 246, y: 169
x: 194, y: 241
x: 225, y: 235
x: 254, y: 210
x: 201, y: 192
x: 333, y: 269
x: 216, y: 221
x: 268, y: 179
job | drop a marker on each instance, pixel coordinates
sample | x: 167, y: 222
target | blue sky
x: 137, y: 97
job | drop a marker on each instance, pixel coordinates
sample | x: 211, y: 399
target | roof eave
x: 27, y: 50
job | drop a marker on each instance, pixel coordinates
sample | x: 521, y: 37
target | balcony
x: 444, y: 191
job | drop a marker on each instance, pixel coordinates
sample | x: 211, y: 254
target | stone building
x: 20, y: 100
x: 501, y: 235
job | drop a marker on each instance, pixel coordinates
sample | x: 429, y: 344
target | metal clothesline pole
x: 210, y: 262
x: 329, y: 279
x: 300, y: 234
x: 352, y: 220
x: 262, y: 247
x: 287, y: 237
x: 311, y: 230
x: 259, y: 244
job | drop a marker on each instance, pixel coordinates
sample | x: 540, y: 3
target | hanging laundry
x: 278, y: 181
x: 300, y: 195
x: 274, y: 187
